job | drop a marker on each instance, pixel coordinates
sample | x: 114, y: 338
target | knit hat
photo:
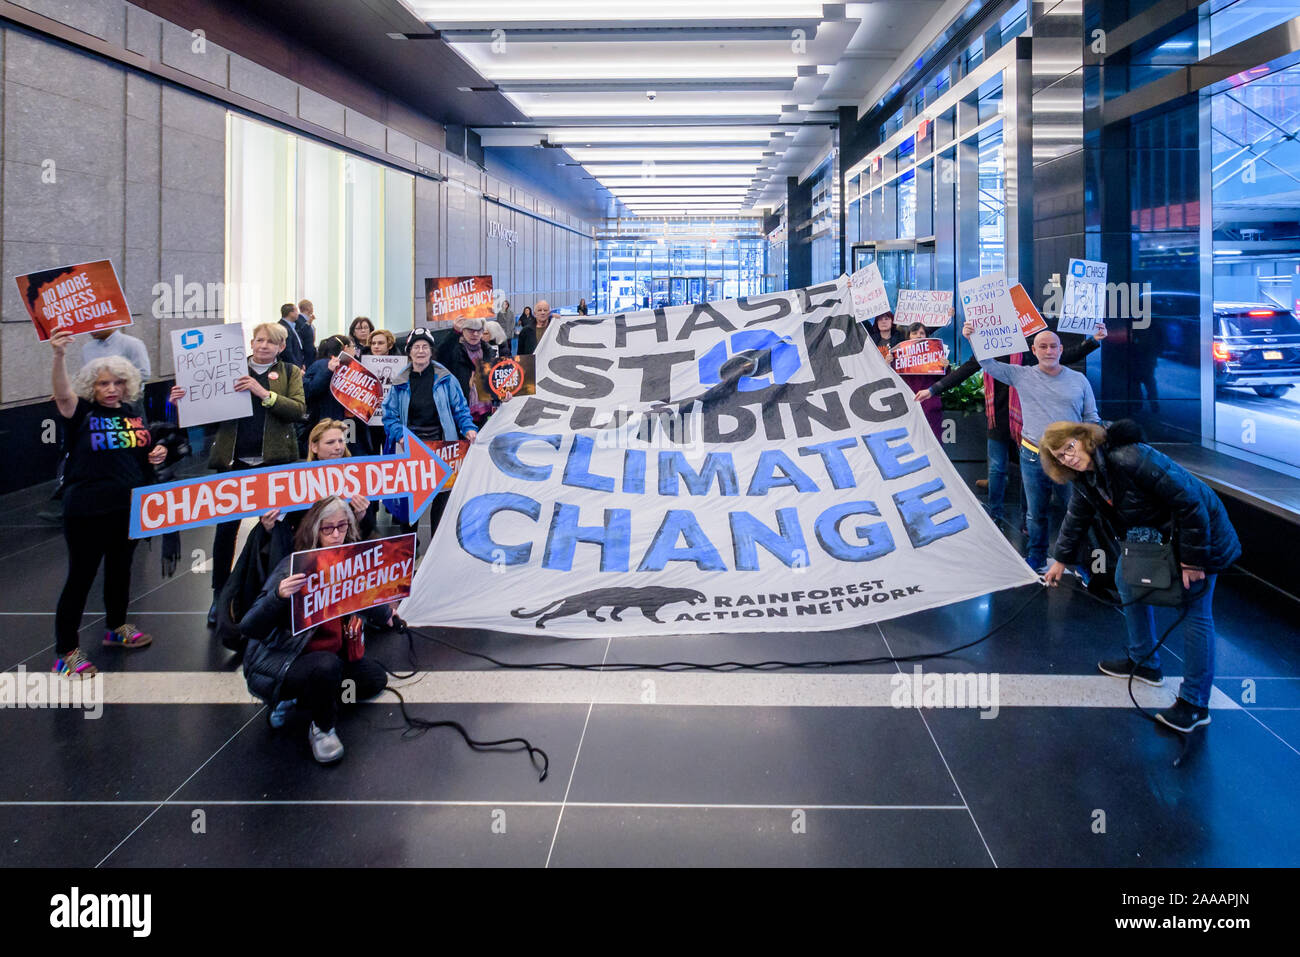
x: 419, y: 335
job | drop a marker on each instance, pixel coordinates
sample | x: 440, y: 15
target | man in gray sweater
x: 1049, y: 392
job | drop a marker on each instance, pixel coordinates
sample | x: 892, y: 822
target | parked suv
x: 1256, y: 346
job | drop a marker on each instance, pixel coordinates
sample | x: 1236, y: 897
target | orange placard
x: 452, y: 455
x: 458, y: 297
x: 1031, y: 321
x: 351, y: 578
x: 82, y: 298
x: 919, y: 357
x: 358, y: 389
x: 506, y: 376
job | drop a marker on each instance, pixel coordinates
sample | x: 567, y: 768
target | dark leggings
x: 92, y: 539
x: 316, y: 680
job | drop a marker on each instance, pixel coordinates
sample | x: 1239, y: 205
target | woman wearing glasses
x: 309, y: 669
x: 1126, y: 485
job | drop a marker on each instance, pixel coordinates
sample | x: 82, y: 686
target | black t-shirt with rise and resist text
x: 108, y: 456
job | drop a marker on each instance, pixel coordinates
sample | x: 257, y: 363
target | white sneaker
x: 326, y: 747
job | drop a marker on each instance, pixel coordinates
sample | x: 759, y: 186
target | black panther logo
x: 650, y: 600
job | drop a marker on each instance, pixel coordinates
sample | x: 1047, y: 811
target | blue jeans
x: 997, y: 479
x: 1041, y: 494
x: 1198, y: 636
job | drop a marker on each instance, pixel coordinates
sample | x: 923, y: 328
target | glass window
x: 992, y: 201
x: 1255, y: 157
x: 990, y: 99
x: 1232, y: 21
x: 907, y: 205
x: 306, y: 220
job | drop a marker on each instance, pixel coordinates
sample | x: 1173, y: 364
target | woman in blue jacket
x: 429, y: 402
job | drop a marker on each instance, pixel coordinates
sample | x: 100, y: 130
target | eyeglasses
x: 1067, y: 449
x: 340, y: 528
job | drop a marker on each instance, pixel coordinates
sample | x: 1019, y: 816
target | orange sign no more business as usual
x: 459, y: 297
x: 83, y: 298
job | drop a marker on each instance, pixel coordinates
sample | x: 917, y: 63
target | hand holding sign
x: 357, y: 389
x: 210, y: 363
x: 83, y: 298
x: 1084, y: 304
x: 867, y: 290
x: 992, y: 322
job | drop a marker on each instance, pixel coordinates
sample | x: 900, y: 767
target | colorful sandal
x: 126, y: 636
x: 74, y: 665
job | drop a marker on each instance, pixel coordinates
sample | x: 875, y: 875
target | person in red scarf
x: 1002, y: 409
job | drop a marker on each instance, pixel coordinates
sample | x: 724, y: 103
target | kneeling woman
x: 1126, y: 484
x: 309, y: 668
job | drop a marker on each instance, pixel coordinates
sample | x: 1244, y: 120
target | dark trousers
x: 223, y: 544
x: 316, y: 680
x: 436, y: 508
x: 92, y: 539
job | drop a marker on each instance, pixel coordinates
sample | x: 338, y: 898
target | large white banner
x: 749, y: 465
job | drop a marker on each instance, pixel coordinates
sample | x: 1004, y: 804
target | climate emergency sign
x: 351, y: 578
x: 193, y: 503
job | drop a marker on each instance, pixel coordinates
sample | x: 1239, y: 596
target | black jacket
x: 452, y: 354
x: 1146, y: 488
x: 272, y: 645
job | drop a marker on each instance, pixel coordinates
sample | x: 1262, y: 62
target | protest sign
x: 1031, y: 321
x: 920, y: 357
x: 76, y: 299
x: 506, y: 376
x: 386, y: 369
x: 346, y: 579
x: 357, y: 389
x: 458, y: 297
x: 869, y: 296
x: 744, y: 465
x: 930, y: 306
x: 208, y: 361
x: 453, y: 456
x: 986, y: 304
x: 1084, y: 304
x: 416, y: 475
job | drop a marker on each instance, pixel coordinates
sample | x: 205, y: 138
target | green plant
x: 967, y: 397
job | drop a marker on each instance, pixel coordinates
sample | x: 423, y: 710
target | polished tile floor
x: 788, y: 768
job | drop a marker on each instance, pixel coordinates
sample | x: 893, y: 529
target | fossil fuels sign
x: 747, y: 465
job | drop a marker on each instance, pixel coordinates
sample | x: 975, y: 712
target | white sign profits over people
x: 930, y: 306
x: 1084, y: 304
x: 870, y: 298
x: 986, y: 303
x: 747, y: 465
x: 208, y: 361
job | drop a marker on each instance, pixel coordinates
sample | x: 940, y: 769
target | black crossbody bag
x: 1150, y: 569
x: 1152, y: 572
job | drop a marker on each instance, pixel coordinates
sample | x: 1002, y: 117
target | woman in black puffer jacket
x: 309, y: 668
x: 1125, y: 484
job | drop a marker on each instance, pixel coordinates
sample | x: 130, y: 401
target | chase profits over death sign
x: 748, y: 465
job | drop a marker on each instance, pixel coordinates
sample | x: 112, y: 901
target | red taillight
x: 1260, y: 312
x: 1221, y: 352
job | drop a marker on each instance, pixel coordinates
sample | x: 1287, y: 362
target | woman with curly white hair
x: 110, y: 452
